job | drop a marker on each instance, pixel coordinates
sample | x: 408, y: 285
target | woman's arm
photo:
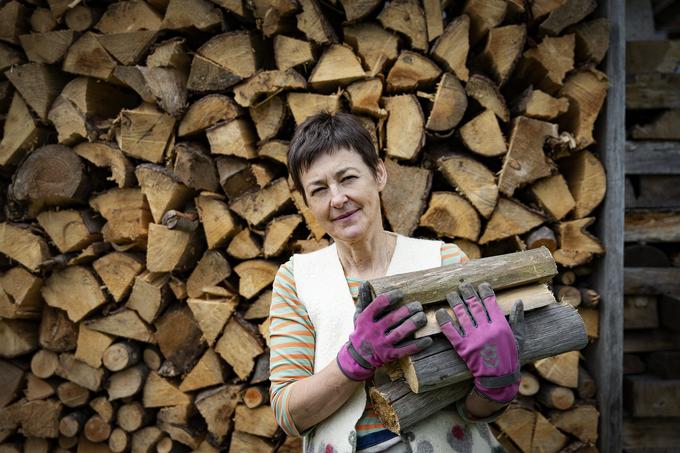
x: 300, y: 399
x: 313, y: 399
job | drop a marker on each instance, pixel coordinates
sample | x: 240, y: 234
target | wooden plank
x: 650, y: 396
x: 650, y: 433
x: 640, y: 20
x: 652, y: 91
x: 653, y: 192
x: 650, y: 341
x: 605, y: 356
x: 649, y: 157
x: 650, y: 226
x: 650, y: 280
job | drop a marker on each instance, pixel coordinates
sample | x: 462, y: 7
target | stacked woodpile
x: 147, y: 204
x: 652, y: 233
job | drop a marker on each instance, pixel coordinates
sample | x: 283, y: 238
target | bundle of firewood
x: 147, y: 204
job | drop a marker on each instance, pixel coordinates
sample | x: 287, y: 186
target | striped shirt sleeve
x: 292, y: 340
x: 452, y: 254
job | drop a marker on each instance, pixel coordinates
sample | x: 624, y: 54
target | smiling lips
x: 345, y: 215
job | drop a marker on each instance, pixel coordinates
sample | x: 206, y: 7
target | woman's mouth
x: 346, y: 215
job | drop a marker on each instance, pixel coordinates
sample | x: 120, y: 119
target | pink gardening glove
x: 485, y: 341
x: 379, y: 328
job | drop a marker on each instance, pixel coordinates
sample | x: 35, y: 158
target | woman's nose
x: 338, y: 197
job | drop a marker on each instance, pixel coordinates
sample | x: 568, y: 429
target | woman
x: 326, y: 347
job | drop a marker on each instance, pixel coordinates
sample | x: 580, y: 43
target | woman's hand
x: 489, y: 345
x: 379, y: 328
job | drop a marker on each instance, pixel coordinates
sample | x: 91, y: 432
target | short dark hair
x: 326, y: 133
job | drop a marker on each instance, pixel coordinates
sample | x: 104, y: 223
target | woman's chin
x: 349, y: 233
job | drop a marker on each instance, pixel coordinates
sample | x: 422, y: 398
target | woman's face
x: 344, y: 195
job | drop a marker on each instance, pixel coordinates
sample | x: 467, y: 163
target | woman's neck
x: 369, y: 257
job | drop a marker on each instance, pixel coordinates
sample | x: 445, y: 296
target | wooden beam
x: 651, y: 280
x: 652, y: 226
x: 650, y: 433
x: 648, y: 157
x: 504, y: 271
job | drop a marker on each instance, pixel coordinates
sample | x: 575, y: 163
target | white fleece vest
x: 322, y: 287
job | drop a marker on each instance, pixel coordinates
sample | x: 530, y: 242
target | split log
x: 487, y: 94
x: 269, y: 117
x: 483, y: 135
x: 217, y: 407
x: 218, y: 223
x: 42, y: 20
x: 21, y: 133
x: 48, y: 47
x: 38, y: 84
x: 87, y: 57
x: 258, y: 421
x: 374, y: 44
x: 411, y: 71
x: 207, y: 372
x: 312, y: 22
x: 278, y: 233
x: 586, y: 90
x: 260, y: 308
x: 423, y: 375
x: 199, y: 14
x: 448, y: 104
x: 132, y: 416
x: 233, y: 138
x: 170, y: 250
x: 81, y: 17
x: 258, y: 207
x: 145, y: 133
x: 566, y: 14
x: 405, y: 131
x: 126, y: 383
x: 587, y: 387
x: 290, y: 52
x: 164, y: 86
x: 75, y: 290
x: 404, y: 208
x: 510, y: 218
x: 266, y: 83
x: 12, y: 381
x: 245, y: 245
x: 516, y: 269
x: 124, y: 323
x: 118, y: 270
x: 239, y: 346
x: 108, y: 155
x: 158, y: 392
x: 57, y: 332
x: 560, y: 369
x: 554, y: 196
x: 337, y: 66
x: 131, y: 16
x: 577, y: 246
x: 304, y: 105
x: 79, y: 372
x: 586, y: 179
x: 484, y: 15
x: 92, y: 346
x: 581, y: 421
x: 70, y: 230
x: 502, y: 51
x: 206, y: 112
x: 451, y: 215
x: 408, y: 18
x: 20, y: 294
x: 212, y: 269
x: 525, y: 161
x: 179, y: 338
x: 540, y: 105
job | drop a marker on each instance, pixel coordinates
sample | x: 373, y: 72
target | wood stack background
x: 652, y: 229
x: 147, y: 205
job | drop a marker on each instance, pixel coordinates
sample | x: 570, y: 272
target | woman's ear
x: 381, y: 175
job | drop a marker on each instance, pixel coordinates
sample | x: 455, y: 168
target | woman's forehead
x: 334, y: 161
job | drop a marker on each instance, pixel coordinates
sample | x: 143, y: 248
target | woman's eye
x: 318, y: 190
x: 346, y: 178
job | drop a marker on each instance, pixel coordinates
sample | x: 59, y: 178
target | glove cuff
x: 350, y: 367
x: 502, y: 395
